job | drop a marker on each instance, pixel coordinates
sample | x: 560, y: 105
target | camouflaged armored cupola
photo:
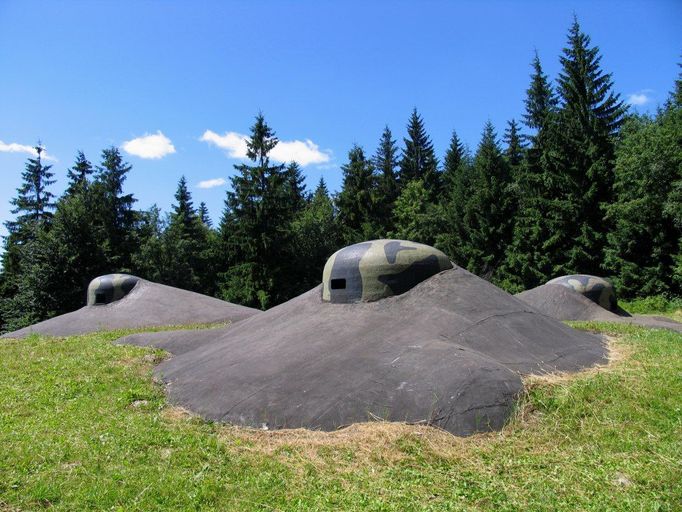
x: 370, y: 271
x: 597, y: 289
x: 110, y: 288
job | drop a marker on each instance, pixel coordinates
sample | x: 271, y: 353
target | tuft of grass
x: 654, y: 305
x: 83, y: 427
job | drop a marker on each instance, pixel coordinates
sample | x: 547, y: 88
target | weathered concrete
x: 148, y: 304
x: 563, y: 303
x: 449, y: 352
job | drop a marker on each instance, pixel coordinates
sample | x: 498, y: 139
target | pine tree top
x: 455, y: 154
x: 204, y: 215
x: 261, y: 142
x: 540, y: 98
x: 78, y: 174
x: 585, y: 89
x: 34, y: 201
x: 513, y: 141
x: 418, y: 157
x: 385, y: 159
x: 321, y: 189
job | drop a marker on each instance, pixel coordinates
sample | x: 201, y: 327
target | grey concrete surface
x: 449, y: 352
x: 148, y: 304
x: 563, y: 303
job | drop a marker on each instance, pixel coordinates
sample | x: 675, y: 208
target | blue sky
x: 192, y: 75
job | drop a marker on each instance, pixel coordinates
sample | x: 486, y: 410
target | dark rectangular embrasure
x: 338, y: 284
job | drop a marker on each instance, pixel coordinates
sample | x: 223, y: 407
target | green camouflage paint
x: 110, y: 288
x: 370, y: 271
x: 595, y: 288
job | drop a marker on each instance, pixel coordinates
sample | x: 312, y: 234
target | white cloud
x: 305, y: 152
x: 233, y: 142
x: 150, y: 146
x: 13, y: 147
x: 639, y: 98
x: 215, y: 182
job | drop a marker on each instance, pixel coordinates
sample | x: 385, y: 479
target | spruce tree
x: 541, y: 100
x: 115, y: 210
x: 488, y: 214
x: 204, y: 215
x: 419, y: 160
x: 255, y: 229
x: 184, y: 214
x: 295, y: 185
x: 542, y: 187
x: 514, y: 146
x: 34, y: 202
x: 79, y: 174
x: 591, y: 115
x: 385, y: 164
x: 457, y: 176
x: 186, y: 246
x: 454, y: 159
x: 26, y: 292
x: 357, y: 199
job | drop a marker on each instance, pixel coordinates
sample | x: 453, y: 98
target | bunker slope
x: 449, y: 352
x: 148, y: 304
x: 564, y: 303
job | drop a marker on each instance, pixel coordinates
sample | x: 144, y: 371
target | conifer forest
x: 577, y: 184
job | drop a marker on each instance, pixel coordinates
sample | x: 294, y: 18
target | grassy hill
x: 84, y: 427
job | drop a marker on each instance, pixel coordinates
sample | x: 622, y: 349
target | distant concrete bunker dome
x: 373, y: 270
x: 110, y: 288
x: 597, y: 289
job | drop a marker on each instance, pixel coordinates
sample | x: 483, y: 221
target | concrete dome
x: 373, y: 270
x: 597, y: 289
x: 110, y: 288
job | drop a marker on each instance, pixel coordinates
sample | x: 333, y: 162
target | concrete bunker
x: 370, y: 271
x: 597, y: 289
x: 110, y: 288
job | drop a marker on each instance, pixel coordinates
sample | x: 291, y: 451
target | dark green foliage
x: 541, y: 100
x: 315, y: 237
x: 590, y: 116
x: 457, y: 176
x: 416, y: 217
x: 34, y: 202
x: 419, y: 160
x: 79, y: 175
x: 645, y: 241
x: 255, y: 226
x: 385, y: 164
x: 295, y: 187
x: 204, y: 216
x: 540, y: 185
x: 357, y: 200
x: 25, y: 298
x: 149, y: 260
x: 455, y: 159
x: 115, y: 210
x: 186, y: 248
x: 514, y: 146
x: 488, y: 212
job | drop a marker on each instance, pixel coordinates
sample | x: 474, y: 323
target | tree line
x: 578, y: 185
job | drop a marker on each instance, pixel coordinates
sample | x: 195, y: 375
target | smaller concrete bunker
x: 597, y: 289
x: 377, y: 269
x: 110, y: 288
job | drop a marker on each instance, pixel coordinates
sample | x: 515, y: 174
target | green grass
x: 83, y: 427
x: 654, y: 305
